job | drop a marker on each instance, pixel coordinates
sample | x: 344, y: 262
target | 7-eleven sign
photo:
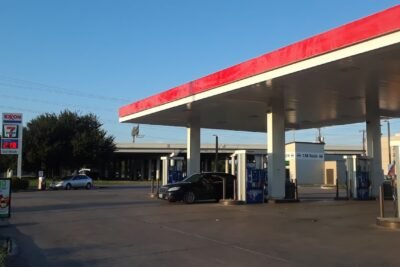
x: 10, y: 130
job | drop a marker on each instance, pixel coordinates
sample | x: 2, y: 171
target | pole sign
x: 5, y: 198
x: 12, y: 118
x: 11, y: 134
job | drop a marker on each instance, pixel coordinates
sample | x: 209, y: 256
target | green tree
x: 7, y: 162
x: 66, y: 141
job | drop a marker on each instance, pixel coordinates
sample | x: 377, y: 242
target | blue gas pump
x: 249, y: 169
x: 362, y: 184
x: 172, y: 169
x: 255, y: 189
x: 358, y: 169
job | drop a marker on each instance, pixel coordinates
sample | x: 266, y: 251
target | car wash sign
x: 11, y: 134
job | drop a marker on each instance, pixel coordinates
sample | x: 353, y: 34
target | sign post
x: 11, y: 142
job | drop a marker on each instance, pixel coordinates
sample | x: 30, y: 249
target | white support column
x: 193, y: 148
x: 241, y: 176
x: 158, y: 169
x: 165, y: 168
x: 276, y: 150
x: 227, y: 165
x: 374, y: 140
x: 233, y: 171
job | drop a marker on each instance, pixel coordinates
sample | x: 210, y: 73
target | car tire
x: 68, y: 187
x: 88, y: 186
x: 189, y: 197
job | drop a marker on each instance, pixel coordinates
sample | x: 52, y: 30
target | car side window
x: 75, y: 178
x: 216, y: 179
x: 206, y: 180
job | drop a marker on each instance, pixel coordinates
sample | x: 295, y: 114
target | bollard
x: 395, y: 196
x: 234, y: 190
x: 152, y: 185
x: 223, y: 188
x: 337, y: 188
x: 381, y: 201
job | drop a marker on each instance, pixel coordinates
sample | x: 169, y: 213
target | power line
x: 35, y: 111
x: 21, y: 84
x: 66, y: 105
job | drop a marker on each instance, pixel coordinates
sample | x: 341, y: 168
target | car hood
x: 177, y: 184
x: 58, y: 181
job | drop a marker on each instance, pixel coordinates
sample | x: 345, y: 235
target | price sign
x: 9, y: 146
x: 11, y: 143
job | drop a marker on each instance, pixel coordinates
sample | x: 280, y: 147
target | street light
x: 363, y: 142
x: 216, y: 153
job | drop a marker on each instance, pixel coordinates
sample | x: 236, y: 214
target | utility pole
x: 216, y: 153
x: 363, y: 142
x: 388, y: 136
x: 320, y: 138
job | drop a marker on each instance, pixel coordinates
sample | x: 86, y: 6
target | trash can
x: 388, y: 190
x: 290, y: 189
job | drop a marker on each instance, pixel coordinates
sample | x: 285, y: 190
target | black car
x: 201, y: 186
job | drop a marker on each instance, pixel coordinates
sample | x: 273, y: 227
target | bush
x: 19, y: 184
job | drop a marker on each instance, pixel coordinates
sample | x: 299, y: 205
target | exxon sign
x: 12, y: 117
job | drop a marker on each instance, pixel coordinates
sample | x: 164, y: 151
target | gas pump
x: 250, y: 170
x: 172, y: 169
x: 358, y: 169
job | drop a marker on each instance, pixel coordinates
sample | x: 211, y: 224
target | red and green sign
x: 5, y: 198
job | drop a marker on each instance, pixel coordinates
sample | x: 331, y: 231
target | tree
x: 7, y: 162
x: 66, y: 141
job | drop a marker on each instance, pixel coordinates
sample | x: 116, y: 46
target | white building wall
x: 306, y: 162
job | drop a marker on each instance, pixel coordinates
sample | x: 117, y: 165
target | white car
x: 73, y: 181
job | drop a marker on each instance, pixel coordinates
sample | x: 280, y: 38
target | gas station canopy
x: 321, y: 81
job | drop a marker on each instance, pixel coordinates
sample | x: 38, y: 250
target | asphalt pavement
x: 124, y: 227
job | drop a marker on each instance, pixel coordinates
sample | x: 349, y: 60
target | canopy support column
x: 374, y: 140
x: 193, y: 148
x: 276, y: 150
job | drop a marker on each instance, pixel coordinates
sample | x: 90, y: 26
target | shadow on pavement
x: 29, y: 254
x: 42, y: 208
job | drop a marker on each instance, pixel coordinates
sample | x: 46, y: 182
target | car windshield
x: 194, y: 178
x: 66, y: 178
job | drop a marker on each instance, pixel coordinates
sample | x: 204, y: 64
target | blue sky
x: 96, y: 56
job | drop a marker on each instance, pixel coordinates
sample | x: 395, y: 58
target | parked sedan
x: 198, y: 187
x: 73, y: 181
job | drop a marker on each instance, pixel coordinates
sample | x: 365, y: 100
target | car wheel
x: 189, y: 197
x: 68, y: 187
x: 88, y: 186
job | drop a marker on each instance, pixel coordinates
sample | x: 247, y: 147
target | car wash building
x: 346, y: 75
